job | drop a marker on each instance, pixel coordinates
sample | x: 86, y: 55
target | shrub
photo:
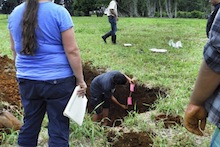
x: 192, y: 14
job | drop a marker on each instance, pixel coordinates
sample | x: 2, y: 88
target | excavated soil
x: 131, y: 139
x: 142, y: 99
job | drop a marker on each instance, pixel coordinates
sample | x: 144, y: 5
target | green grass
x: 174, y: 71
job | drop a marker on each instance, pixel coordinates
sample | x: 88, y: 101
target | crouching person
x: 102, y: 88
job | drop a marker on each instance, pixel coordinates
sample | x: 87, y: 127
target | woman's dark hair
x: 119, y: 79
x: 29, y: 24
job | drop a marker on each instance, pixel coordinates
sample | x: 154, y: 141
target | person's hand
x: 124, y: 106
x: 82, y: 90
x: 195, y: 119
x: 117, y: 18
x: 133, y: 80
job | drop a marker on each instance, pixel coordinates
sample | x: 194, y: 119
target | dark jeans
x: 38, y: 98
x: 99, y: 103
x: 112, y: 20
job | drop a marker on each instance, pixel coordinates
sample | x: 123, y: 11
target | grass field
x: 174, y: 71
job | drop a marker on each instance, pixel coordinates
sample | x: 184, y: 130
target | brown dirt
x: 142, y: 99
x: 131, y: 139
x: 169, y: 120
x: 8, y: 84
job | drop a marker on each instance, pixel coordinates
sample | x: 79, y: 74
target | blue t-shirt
x: 103, y: 84
x: 49, y: 61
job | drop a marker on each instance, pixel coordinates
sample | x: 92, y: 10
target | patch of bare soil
x: 142, y: 99
x: 169, y: 120
x: 131, y: 139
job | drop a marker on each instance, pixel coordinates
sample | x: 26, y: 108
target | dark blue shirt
x: 103, y: 84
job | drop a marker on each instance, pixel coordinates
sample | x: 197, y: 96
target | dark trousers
x: 113, y: 22
x: 38, y: 98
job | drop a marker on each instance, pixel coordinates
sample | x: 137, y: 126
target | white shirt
x: 112, y: 5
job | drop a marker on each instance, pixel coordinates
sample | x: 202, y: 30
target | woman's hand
x: 82, y: 90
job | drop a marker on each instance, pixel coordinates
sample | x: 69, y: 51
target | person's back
x: 49, y: 60
x: 104, y: 82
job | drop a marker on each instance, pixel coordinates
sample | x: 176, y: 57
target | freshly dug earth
x: 131, y: 139
x: 8, y: 84
x: 142, y: 99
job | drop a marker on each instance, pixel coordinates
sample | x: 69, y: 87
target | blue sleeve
x: 64, y: 19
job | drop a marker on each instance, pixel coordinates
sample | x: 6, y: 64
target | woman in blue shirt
x: 48, y: 68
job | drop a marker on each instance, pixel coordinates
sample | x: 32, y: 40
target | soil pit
x: 142, y: 99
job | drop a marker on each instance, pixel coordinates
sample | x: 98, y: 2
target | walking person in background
x: 112, y: 14
x: 102, y: 88
x: 48, y: 68
x: 205, y: 99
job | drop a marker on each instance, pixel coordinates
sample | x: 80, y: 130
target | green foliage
x: 189, y: 5
x: 192, y: 14
x: 9, y: 137
x: 82, y: 7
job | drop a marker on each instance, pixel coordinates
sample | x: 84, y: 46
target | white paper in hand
x: 76, y: 107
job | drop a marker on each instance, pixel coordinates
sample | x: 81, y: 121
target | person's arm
x: 117, y: 102
x: 206, y: 83
x: 12, y: 47
x: 114, y: 13
x: 73, y: 55
x: 133, y: 80
x: 195, y: 114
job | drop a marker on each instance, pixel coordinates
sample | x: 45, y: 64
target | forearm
x: 73, y: 54
x: 115, y: 101
x: 12, y: 47
x: 129, y: 79
x: 14, y: 55
x: 206, y: 83
x: 113, y: 12
x: 76, y: 65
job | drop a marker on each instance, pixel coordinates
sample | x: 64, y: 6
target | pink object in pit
x: 129, y: 100
x: 132, y: 87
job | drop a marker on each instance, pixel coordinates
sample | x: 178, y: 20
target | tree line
x: 132, y: 8
x: 148, y: 8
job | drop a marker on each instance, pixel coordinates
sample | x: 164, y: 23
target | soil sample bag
x: 76, y: 107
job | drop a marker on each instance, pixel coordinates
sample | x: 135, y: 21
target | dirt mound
x: 8, y: 84
x: 142, y: 100
x: 131, y: 139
